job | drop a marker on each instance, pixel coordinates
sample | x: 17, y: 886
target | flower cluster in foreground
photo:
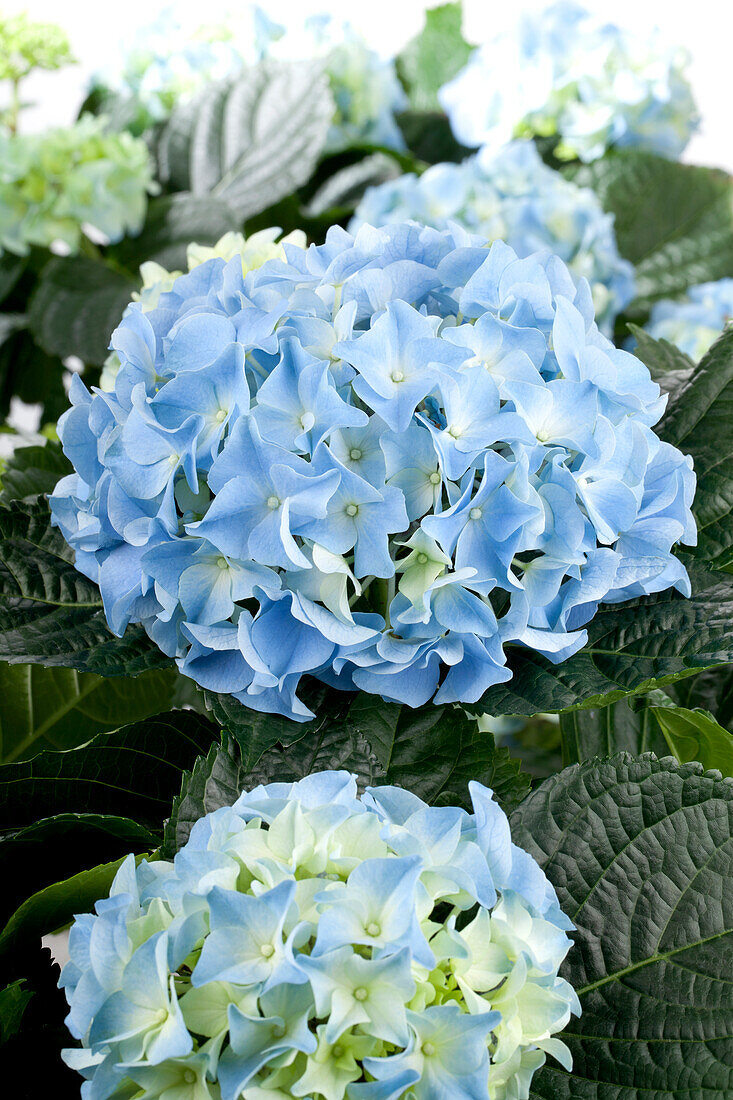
x: 253, y: 251
x: 377, y: 462
x: 694, y: 322
x: 310, y: 943
x: 562, y: 71
x: 55, y: 184
x: 511, y: 195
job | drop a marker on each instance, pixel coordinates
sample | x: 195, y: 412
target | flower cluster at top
x: 377, y: 462
x: 697, y: 320
x: 176, y: 56
x: 26, y: 45
x: 310, y: 943
x: 511, y: 195
x: 561, y: 71
x: 55, y: 184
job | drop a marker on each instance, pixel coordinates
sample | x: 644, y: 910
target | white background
x: 97, y: 27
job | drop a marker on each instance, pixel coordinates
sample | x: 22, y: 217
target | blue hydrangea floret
x: 307, y: 942
x: 511, y: 195
x: 380, y: 462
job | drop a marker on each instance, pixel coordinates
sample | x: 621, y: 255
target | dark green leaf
x: 249, y: 141
x: 10, y: 323
x: 640, y: 852
x: 256, y: 732
x: 59, y: 708
x: 668, y: 366
x: 135, y: 771
x: 27, y: 372
x: 432, y: 751
x: 31, y: 471
x: 13, y: 1003
x: 632, y: 648
x: 11, y: 269
x: 40, y: 855
x: 36, y: 1046
x: 711, y: 690
x: 346, y: 187
x: 601, y: 732
x: 699, y: 420
x: 695, y: 735
x: 429, y: 137
x: 77, y: 304
x: 172, y: 223
x: 54, y: 906
x: 49, y: 612
x: 434, y: 56
x: 673, y: 221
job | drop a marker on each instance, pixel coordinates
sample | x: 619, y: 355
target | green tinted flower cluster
x: 56, y: 185
x: 26, y: 45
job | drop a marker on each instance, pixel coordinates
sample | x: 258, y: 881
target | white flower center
x: 397, y: 376
x: 273, y: 502
x: 355, y: 454
x: 360, y: 993
x: 475, y: 513
x: 351, y: 509
x: 422, y: 558
x: 435, y: 478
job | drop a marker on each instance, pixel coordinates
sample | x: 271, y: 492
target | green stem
x: 89, y: 248
x: 14, y: 109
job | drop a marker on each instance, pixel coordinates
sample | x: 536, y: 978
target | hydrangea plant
x: 379, y: 462
x: 55, y: 184
x: 307, y: 942
x: 563, y: 71
x: 511, y: 195
x: 695, y: 321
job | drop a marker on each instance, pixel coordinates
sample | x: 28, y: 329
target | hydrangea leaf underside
x: 250, y: 141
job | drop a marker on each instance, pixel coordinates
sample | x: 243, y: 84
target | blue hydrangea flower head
x: 379, y: 461
x: 509, y: 194
x: 696, y: 320
x: 311, y: 942
x: 563, y: 71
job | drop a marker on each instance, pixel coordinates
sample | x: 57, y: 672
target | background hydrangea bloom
x: 377, y: 462
x: 512, y: 196
x: 53, y: 184
x: 561, y: 70
x: 176, y: 56
x: 307, y: 941
x: 695, y: 321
